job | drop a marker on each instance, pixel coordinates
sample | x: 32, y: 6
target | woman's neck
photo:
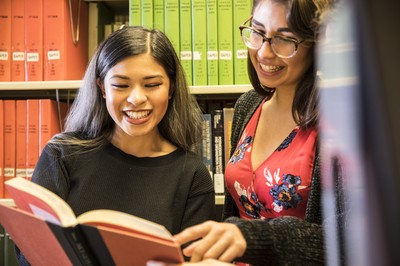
x: 143, y: 146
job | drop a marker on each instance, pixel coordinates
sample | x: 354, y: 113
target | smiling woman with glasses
x: 272, y: 210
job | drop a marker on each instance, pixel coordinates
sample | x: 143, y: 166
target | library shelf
x: 75, y: 84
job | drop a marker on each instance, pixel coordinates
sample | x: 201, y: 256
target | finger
x: 189, y: 249
x: 230, y: 254
x: 208, y: 241
x: 194, y: 232
x: 229, y: 245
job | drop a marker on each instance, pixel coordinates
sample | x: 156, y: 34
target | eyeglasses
x: 282, y: 46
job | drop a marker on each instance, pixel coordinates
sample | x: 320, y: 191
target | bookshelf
x: 75, y: 84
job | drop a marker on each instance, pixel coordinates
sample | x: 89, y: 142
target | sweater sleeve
x: 281, y: 241
x: 200, y: 204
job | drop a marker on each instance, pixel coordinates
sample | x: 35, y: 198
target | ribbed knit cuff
x: 259, y: 246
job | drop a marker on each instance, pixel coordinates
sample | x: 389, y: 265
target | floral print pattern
x: 240, y: 150
x: 287, y: 141
x: 280, y: 184
x: 285, y: 194
x: 248, y: 199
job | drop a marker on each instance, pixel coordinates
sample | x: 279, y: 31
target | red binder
x: 33, y: 40
x: 5, y: 40
x: 65, y: 39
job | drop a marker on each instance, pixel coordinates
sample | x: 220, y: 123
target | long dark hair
x: 181, y: 124
x: 303, y: 20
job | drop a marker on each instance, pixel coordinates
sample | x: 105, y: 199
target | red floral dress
x: 280, y: 185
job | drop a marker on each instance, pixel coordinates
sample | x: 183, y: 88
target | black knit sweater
x: 280, y: 241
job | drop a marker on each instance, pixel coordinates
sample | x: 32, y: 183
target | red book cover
x: 49, y: 124
x: 9, y: 140
x: 65, y: 45
x: 32, y: 136
x: 18, y: 40
x: 20, y: 139
x: 34, y: 237
x: 1, y: 149
x: 33, y: 40
x: 5, y: 40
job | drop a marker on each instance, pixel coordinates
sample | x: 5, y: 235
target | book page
x: 124, y: 221
x: 44, y: 214
x: 32, y: 197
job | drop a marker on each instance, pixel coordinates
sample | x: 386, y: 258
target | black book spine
x: 74, y: 244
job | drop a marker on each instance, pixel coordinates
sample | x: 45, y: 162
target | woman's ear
x: 101, y: 87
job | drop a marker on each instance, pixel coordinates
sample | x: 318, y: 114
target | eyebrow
x: 255, y: 22
x: 127, y: 78
x: 153, y: 77
x: 119, y: 76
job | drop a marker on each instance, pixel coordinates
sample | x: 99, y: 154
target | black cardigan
x: 284, y: 240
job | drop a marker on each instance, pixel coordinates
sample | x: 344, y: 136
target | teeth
x: 137, y: 115
x: 270, y: 69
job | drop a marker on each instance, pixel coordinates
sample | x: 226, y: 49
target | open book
x: 47, y: 231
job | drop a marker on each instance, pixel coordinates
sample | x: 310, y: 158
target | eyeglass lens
x: 281, y: 47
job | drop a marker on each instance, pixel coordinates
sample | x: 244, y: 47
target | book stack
x: 207, y: 38
x: 43, y: 40
x: 25, y: 128
x: 215, y: 146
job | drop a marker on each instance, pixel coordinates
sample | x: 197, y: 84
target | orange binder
x: 9, y: 140
x: 5, y: 40
x: 32, y: 135
x: 33, y: 40
x: 17, y: 40
x: 1, y: 149
x: 20, y: 138
x: 65, y: 47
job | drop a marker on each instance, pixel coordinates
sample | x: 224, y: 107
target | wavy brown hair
x: 303, y: 20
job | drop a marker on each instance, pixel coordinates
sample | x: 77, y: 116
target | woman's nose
x: 266, y: 50
x: 137, y: 96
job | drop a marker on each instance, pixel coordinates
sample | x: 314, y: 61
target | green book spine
x: 212, y: 42
x: 2, y: 245
x: 199, y: 40
x: 9, y: 251
x: 158, y: 18
x: 135, y: 13
x: 147, y: 13
x: 186, y: 38
x: 225, y: 42
x: 241, y: 11
x: 171, y: 23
